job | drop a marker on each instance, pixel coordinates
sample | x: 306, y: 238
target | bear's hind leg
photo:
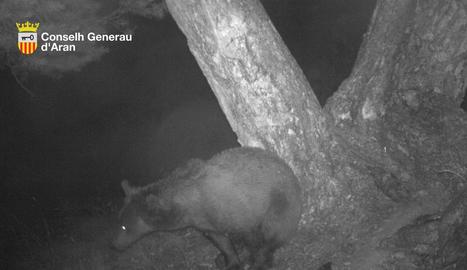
x: 224, y: 245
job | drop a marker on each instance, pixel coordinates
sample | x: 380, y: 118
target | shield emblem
x: 27, y: 42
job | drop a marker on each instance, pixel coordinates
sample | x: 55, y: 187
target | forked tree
x: 383, y: 164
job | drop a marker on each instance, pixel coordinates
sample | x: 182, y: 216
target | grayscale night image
x: 233, y: 135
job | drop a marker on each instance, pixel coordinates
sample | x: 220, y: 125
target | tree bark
x: 390, y: 145
x: 399, y: 115
x: 264, y: 94
x: 400, y: 108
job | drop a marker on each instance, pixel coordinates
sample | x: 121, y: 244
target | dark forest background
x: 145, y: 107
x: 137, y: 113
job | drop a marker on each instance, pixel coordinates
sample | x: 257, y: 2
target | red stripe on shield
x: 27, y: 47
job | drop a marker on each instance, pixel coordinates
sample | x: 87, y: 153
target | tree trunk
x: 390, y: 145
x: 264, y: 94
x: 400, y: 113
x: 401, y: 104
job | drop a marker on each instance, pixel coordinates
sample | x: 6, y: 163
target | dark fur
x: 241, y: 198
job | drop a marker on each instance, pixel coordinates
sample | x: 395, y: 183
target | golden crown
x: 27, y: 27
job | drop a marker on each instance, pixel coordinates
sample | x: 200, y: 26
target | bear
x: 242, y: 198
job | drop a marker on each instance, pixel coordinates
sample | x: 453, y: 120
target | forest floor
x: 71, y: 228
x: 49, y: 228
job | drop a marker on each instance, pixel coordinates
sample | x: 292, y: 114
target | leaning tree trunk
x: 264, y: 94
x: 390, y: 145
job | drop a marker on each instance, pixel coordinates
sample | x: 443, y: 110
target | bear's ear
x: 129, y: 190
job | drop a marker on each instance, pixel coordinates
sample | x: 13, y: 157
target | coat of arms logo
x: 27, y: 37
